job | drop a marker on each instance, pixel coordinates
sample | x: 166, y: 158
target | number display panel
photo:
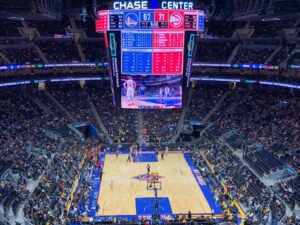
x: 192, y: 20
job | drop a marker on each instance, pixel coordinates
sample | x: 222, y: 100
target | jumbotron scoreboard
x: 150, y: 52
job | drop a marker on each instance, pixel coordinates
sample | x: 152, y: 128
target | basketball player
x: 132, y: 151
x: 162, y: 155
x: 148, y: 169
x: 129, y: 158
x: 167, y: 149
x: 142, y: 90
x: 166, y: 92
x: 117, y: 153
x: 156, y: 152
x: 161, y: 92
x: 139, y: 149
x: 130, y: 86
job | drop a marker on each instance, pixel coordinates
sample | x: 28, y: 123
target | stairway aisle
x: 182, y: 118
x: 99, y: 121
x: 60, y: 106
x: 141, y: 139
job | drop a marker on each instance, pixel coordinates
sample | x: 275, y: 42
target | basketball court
x: 123, y: 192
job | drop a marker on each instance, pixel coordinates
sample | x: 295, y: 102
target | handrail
x: 4, y: 220
x: 74, y: 187
x: 234, y: 201
x: 26, y: 221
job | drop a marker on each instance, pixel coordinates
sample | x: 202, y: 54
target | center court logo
x: 145, y: 177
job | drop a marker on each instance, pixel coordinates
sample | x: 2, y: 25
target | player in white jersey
x: 166, y: 92
x: 130, y: 86
x: 167, y: 150
x: 161, y: 92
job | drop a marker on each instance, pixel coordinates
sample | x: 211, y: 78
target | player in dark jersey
x: 117, y: 153
x: 129, y: 157
x: 148, y: 169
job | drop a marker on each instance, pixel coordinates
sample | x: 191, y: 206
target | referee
x: 148, y: 169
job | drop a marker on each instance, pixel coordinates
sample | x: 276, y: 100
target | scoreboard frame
x: 155, y: 49
x: 144, y: 38
x: 149, y: 19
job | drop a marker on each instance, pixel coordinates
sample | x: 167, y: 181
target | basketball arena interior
x: 146, y: 112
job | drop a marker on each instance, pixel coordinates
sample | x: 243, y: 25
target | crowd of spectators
x: 252, y: 55
x: 223, y: 29
x: 203, y: 99
x: 81, y: 196
x: 23, y: 146
x: 88, y: 25
x: 217, y: 50
x: 289, y: 191
x: 282, y: 54
x: 94, y: 51
x: 233, y: 97
x: 9, y: 28
x: 295, y: 60
x: 48, y: 201
x: 59, y: 51
x: 79, y: 109
x: 55, y: 112
x: 48, y: 28
x: 22, y: 55
x: 271, y: 119
x: 266, y: 123
x: 185, y: 220
x: 214, y: 51
x: 2, y: 61
x: 29, y: 154
x: 241, y: 183
x: 220, y: 195
x: 161, y: 125
x: 270, y: 28
x: 121, y: 123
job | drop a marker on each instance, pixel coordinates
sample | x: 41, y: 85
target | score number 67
x: 146, y: 16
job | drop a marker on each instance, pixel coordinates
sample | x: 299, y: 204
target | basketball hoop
x: 154, y: 184
x: 154, y: 176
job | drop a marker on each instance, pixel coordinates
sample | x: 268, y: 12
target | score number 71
x: 158, y: 17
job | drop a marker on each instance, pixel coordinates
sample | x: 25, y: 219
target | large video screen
x: 151, y: 92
